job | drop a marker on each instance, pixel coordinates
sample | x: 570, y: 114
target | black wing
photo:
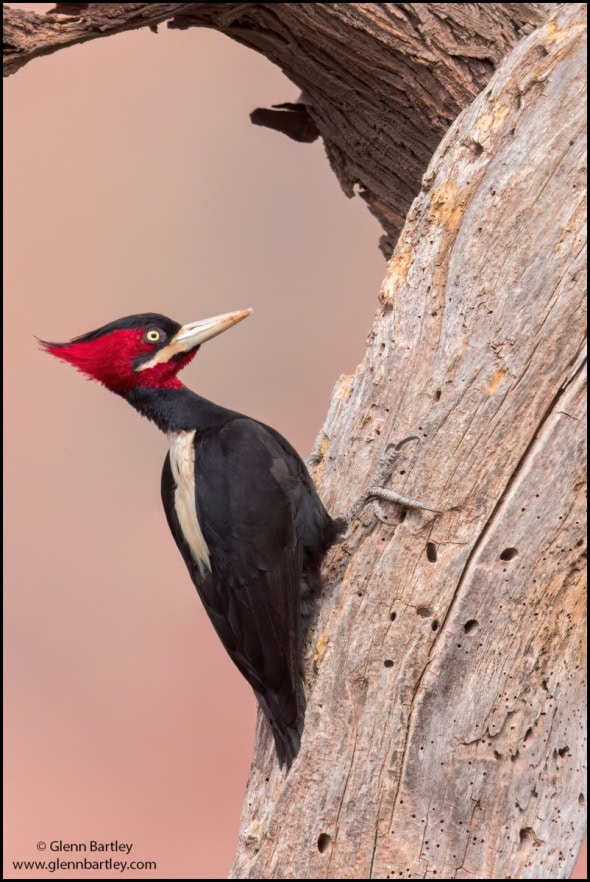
x: 246, y: 496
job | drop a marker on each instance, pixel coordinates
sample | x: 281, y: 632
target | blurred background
x: 134, y: 181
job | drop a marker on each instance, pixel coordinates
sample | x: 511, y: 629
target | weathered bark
x: 382, y: 82
x: 445, y: 726
x: 445, y: 672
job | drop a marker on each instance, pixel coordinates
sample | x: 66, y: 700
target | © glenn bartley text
x: 92, y: 845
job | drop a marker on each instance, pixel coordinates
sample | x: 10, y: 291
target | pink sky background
x: 134, y: 181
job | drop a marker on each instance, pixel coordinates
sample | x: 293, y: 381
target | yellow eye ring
x: 153, y: 335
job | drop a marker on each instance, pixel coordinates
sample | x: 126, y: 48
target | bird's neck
x: 177, y: 409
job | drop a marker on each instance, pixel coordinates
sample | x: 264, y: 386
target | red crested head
x: 140, y: 350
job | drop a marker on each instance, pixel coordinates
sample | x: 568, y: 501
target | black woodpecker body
x: 239, y: 501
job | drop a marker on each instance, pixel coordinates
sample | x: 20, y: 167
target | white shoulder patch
x: 182, y: 462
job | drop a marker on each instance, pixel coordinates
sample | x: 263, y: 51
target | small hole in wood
x: 509, y: 554
x: 434, y: 625
x: 324, y: 841
x: 393, y: 616
x: 388, y: 663
x: 471, y: 626
x: 431, y: 552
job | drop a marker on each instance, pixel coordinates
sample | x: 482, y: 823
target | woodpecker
x: 239, y: 501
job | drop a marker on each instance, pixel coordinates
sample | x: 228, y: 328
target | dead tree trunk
x: 445, y: 731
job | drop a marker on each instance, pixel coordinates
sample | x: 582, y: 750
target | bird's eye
x: 153, y: 335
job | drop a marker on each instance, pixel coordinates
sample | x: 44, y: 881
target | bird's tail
x: 287, y: 743
x: 286, y: 723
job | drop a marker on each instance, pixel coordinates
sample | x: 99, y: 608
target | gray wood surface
x: 445, y: 731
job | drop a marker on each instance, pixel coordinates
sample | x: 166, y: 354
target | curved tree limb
x: 382, y: 82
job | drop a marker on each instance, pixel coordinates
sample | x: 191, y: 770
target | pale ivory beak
x: 195, y: 333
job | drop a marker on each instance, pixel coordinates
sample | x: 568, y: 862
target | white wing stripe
x: 182, y: 462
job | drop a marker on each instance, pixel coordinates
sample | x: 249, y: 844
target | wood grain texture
x: 382, y: 82
x: 444, y: 734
